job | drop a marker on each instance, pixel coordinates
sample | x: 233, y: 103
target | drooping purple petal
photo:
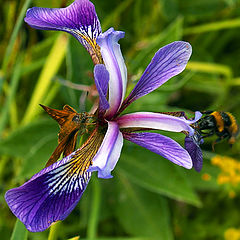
x: 167, y: 62
x: 52, y: 194
x: 79, y: 19
x: 114, y: 62
x: 109, y: 152
x: 101, y: 77
x: 161, y: 145
x: 192, y: 145
x: 159, y: 121
x: 48, y: 196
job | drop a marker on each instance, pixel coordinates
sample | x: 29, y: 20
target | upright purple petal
x: 101, y: 77
x: 192, y: 145
x: 159, y: 121
x: 114, y: 62
x: 109, y: 152
x: 79, y: 19
x: 167, y: 62
x: 48, y: 196
x: 161, y: 145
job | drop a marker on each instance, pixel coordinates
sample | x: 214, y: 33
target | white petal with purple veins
x: 108, y: 153
x: 155, y: 121
x: 114, y: 62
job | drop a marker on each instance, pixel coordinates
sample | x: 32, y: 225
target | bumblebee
x: 223, y: 124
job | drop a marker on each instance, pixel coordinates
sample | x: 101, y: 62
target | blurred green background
x: 149, y: 197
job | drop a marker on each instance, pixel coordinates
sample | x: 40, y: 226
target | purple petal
x: 192, y: 146
x: 114, y: 62
x: 167, y: 62
x: 79, y: 19
x: 101, y: 77
x: 109, y: 152
x: 159, y: 121
x: 161, y: 145
x: 51, y: 194
x: 48, y: 196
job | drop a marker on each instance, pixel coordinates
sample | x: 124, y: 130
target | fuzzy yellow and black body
x: 223, y: 124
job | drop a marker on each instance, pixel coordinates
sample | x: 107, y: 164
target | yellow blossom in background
x: 232, y: 234
x: 206, y: 177
x: 230, y: 170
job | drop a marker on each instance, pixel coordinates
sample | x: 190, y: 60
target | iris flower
x: 51, y: 194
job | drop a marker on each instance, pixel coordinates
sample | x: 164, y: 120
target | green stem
x: 14, y: 34
x: 94, y: 214
x: 19, y: 231
x: 53, y: 234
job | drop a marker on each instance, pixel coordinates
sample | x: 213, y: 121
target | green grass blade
x: 52, y: 65
x: 210, y: 68
x: 14, y: 34
x: 19, y: 231
x: 10, y: 95
x: 215, y: 26
x: 1, y: 81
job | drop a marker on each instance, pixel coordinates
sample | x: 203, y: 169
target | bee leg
x: 215, y: 142
x: 213, y: 145
x: 231, y: 141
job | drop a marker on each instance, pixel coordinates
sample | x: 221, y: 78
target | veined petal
x: 168, y: 61
x: 51, y: 194
x: 109, y: 152
x: 79, y: 19
x: 114, y: 62
x: 159, y: 121
x: 161, y: 145
x: 192, y: 145
x: 101, y: 77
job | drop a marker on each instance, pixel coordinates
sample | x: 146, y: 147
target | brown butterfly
x: 71, y: 123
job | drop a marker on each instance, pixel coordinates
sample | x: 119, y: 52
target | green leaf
x: 206, y: 179
x: 170, y: 8
x: 19, y: 231
x: 34, y: 143
x: 114, y: 238
x: 153, y: 44
x: 142, y: 213
x: 157, y: 174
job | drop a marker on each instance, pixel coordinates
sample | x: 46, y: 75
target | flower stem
x: 94, y: 214
x: 54, y: 231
